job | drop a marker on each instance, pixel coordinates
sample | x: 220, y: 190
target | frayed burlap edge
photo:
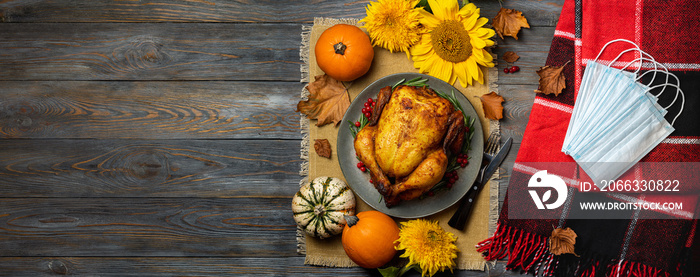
x: 494, y: 183
x: 304, y: 125
x: 304, y: 52
x: 494, y: 126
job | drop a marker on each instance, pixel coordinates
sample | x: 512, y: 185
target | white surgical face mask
x: 617, y: 120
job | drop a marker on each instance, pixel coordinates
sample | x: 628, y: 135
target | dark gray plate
x: 359, y: 181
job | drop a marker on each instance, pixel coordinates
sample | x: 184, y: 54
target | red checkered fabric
x: 635, y: 245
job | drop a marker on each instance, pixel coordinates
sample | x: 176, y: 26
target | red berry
x: 357, y: 124
x: 367, y: 104
x: 363, y: 169
x: 514, y: 69
x: 506, y: 70
x: 456, y: 177
x: 360, y: 165
x: 452, y: 180
x: 373, y: 104
x: 449, y: 186
x: 371, y: 181
x: 367, y: 114
x: 370, y: 100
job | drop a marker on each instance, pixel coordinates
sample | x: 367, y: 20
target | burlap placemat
x: 329, y: 252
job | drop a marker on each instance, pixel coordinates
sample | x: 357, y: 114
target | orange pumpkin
x: 369, y: 238
x: 344, y: 52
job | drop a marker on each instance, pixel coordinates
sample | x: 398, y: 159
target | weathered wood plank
x: 149, y: 168
x: 176, y: 11
x: 195, y: 266
x: 175, y: 51
x: 538, y: 13
x: 170, y: 51
x: 516, y: 109
x: 506, y: 169
x: 533, y: 47
x: 234, y: 227
x: 150, y: 110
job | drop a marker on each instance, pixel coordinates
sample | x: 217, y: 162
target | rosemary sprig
x: 415, y: 82
x: 354, y: 129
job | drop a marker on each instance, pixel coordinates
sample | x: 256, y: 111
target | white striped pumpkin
x: 319, y: 206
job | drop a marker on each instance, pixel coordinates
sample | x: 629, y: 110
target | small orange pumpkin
x: 369, y: 238
x: 344, y: 52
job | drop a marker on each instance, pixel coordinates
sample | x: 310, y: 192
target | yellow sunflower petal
x: 477, y: 42
x: 479, y: 55
x: 483, y: 57
x: 453, y: 76
x: 443, y: 70
x: 483, y: 32
x: 473, y: 68
x: 490, y: 43
x: 481, y: 77
x: 422, y: 48
x: 481, y: 22
x: 444, y: 9
x: 462, y: 74
x: 467, y: 11
x: 428, y: 64
x: 428, y: 19
x: 469, y: 22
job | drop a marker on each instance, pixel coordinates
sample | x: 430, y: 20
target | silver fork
x: 460, y: 217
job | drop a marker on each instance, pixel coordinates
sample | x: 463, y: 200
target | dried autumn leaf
x: 552, y: 80
x: 323, y: 148
x: 508, y: 23
x: 328, y: 101
x: 562, y: 241
x: 510, y: 57
x: 492, y: 105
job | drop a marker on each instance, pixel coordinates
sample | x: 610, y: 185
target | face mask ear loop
x: 665, y: 71
x: 638, y: 69
x: 655, y: 70
x: 679, y: 91
x: 611, y: 42
x: 682, y: 105
x: 625, y: 51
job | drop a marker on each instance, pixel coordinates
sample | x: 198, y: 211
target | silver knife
x: 459, y: 219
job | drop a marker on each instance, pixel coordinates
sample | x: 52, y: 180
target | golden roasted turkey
x: 405, y: 145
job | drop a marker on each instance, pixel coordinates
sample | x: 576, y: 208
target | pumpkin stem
x: 319, y: 210
x: 340, y: 48
x: 351, y: 220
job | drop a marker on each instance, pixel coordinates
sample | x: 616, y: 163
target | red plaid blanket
x: 635, y: 243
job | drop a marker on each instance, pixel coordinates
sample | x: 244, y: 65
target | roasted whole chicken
x: 405, y: 145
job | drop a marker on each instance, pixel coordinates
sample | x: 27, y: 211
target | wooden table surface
x: 159, y: 138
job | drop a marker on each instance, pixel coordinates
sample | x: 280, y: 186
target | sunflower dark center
x: 451, y: 41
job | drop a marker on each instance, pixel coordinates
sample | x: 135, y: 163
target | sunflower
x: 428, y: 245
x: 452, y: 43
x: 393, y: 24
